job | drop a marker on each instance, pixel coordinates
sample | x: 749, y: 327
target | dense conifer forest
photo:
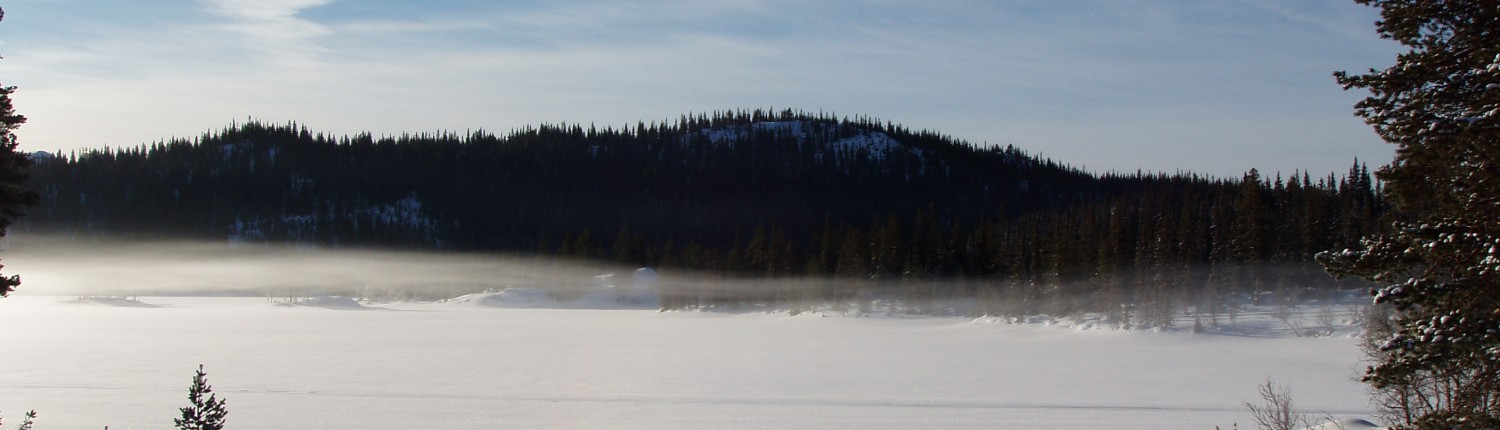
x: 890, y: 210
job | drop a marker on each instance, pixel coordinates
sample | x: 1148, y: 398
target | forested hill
x: 756, y: 193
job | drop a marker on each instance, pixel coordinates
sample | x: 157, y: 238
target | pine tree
x: 204, y: 413
x: 1440, y: 265
x: 13, y: 166
x: 886, y: 256
x: 30, y: 418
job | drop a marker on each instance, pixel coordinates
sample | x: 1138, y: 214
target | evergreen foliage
x: 1438, y: 262
x: 30, y: 419
x: 13, y: 166
x: 877, y: 210
x: 12, y: 196
x: 205, y: 410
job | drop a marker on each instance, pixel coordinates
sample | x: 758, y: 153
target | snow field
x: 459, y: 365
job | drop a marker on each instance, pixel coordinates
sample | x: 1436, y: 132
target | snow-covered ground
x: 481, y: 362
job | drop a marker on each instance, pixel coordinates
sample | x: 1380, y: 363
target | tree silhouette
x: 1439, y: 105
x: 205, y: 411
x: 12, y: 174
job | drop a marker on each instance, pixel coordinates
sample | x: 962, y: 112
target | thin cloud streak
x: 1091, y: 83
x: 273, y: 28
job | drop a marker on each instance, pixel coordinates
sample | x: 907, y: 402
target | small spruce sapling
x: 207, y: 411
x: 26, y: 423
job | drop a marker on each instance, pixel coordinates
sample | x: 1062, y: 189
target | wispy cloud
x: 1343, y: 22
x: 273, y: 28
x: 1092, y: 82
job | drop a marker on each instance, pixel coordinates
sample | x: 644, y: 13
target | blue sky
x: 1213, y: 86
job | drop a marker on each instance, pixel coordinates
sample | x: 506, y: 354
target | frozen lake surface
x: 461, y: 365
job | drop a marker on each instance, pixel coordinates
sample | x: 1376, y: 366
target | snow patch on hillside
x: 874, y: 144
x: 404, y: 215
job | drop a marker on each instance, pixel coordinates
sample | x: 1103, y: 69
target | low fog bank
x: 77, y: 266
x: 91, y: 266
x: 73, y: 265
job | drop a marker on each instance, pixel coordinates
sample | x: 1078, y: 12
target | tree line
x: 745, y: 193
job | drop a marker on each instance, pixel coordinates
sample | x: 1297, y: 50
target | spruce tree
x: 207, y: 411
x: 28, y: 422
x: 13, y: 166
x: 1440, y: 263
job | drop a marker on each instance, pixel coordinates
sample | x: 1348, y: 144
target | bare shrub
x: 1275, y: 412
x: 1327, y: 319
